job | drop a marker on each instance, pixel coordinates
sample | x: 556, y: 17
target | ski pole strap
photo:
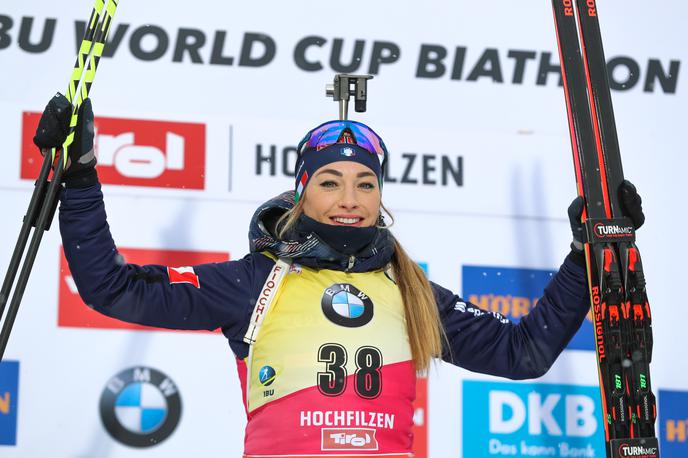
x: 267, y: 295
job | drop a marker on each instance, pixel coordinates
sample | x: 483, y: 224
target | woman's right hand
x: 52, y: 131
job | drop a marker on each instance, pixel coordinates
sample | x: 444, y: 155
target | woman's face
x: 343, y: 193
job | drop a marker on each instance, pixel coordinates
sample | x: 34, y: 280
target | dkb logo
x: 516, y: 419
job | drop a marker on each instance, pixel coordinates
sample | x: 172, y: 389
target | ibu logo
x: 673, y: 423
x: 266, y: 375
x: 513, y: 293
x: 526, y: 420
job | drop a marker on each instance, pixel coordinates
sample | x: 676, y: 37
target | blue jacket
x: 480, y: 341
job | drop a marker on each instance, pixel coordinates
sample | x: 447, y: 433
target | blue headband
x: 311, y: 160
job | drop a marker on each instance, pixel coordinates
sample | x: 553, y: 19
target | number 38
x: 368, y: 380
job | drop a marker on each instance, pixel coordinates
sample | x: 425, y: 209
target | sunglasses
x: 333, y: 132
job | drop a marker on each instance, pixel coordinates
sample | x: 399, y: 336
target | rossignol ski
x: 621, y: 313
x: 45, y: 194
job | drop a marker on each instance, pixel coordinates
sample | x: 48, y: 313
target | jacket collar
x: 308, y: 248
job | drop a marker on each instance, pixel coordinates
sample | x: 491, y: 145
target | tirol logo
x: 345, y: 305
x: 140, y: 407
x: 673, y: 423
x: 527, y: 420
x: 266, y: 375
x: 513, y: 292
x: 9, y: 391
x: 135, y: 152
x: 348, y: 439
x: 72, y: 312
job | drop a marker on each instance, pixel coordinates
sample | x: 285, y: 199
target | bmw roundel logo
x: 266, y: 375
x: 140, y: 407
x: 345, y: 305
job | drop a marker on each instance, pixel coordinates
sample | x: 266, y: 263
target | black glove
x: 631, y: 203
x: 52, y: 131
x: 631, y: 206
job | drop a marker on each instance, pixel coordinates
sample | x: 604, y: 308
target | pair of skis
x: 45, y: 194
x: 621, y: 313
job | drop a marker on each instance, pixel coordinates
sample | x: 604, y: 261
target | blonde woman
x: 329, y: 318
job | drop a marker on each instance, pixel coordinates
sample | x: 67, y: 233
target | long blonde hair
x: 423, y: 325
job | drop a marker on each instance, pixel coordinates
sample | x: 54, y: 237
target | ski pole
x: 89, y: 54
x: 38, y: 197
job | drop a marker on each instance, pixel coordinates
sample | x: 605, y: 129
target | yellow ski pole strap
x: 267, y: 295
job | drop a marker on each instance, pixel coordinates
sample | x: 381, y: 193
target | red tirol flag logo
x: 183, y: 275
x: 135, y: 152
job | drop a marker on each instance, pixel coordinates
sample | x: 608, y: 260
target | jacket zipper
x: 352, y: 260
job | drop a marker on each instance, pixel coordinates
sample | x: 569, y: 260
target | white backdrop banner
x: 199, y: 108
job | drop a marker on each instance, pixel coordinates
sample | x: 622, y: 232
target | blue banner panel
x: 531, y: 420
x: 9, y: 391
x: 673, y: 424
x: 513, y: 292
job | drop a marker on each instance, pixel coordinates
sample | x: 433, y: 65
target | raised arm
x: 487, y: 342
x: 208, y: 297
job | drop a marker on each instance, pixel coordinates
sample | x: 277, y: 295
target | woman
x: 329, y: 318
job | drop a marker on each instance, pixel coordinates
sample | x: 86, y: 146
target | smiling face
x: 343, y: 193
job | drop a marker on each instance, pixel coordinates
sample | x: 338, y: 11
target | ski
x: 636, y: 308
x: 621, y: 313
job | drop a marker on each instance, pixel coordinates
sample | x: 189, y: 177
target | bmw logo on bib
x: 345, y: 305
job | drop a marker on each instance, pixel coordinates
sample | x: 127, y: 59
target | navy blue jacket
x: 479, y: 341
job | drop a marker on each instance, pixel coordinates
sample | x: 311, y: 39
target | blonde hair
x: 423, y: 325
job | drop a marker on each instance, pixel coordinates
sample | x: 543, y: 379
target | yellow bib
x: 331, y: 368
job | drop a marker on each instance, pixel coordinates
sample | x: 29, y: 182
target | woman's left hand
x: 631, y: 206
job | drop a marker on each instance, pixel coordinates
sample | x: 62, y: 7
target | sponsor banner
x: 424, y: 266
x: 448, y: 61
x: 72, y: 312
x: 420, y: 419
x: 530, y: 420
x: 9, y: 393
x: 140, y: 407
x: 513, y: 292
x: 425, y: 171
x: 135, y: 152
x: 673, y: 423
